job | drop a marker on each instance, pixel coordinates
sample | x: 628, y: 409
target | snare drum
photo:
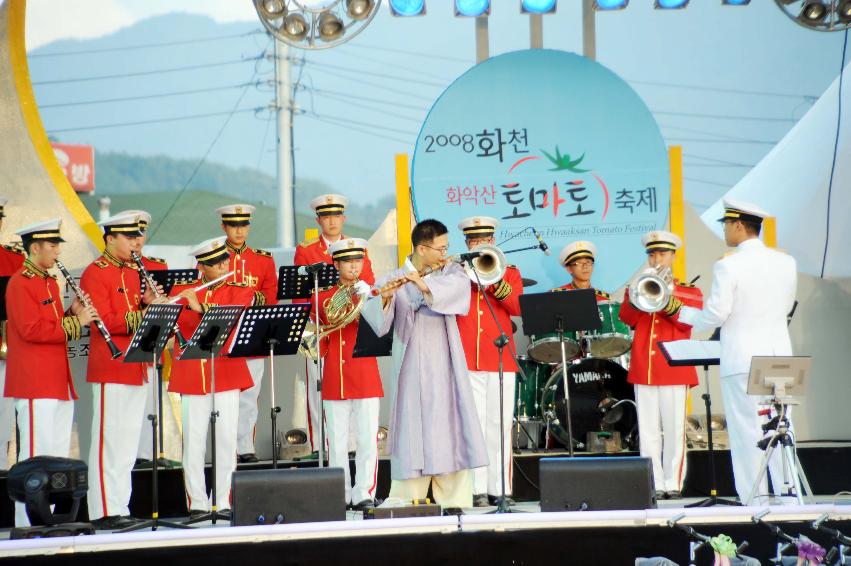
x: 614, y: 338
x: 545, y: 348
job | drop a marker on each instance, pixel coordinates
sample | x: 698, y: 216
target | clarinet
x: 152, y: 285
x: 86, y: 303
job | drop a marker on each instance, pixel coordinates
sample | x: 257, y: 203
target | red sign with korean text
x: 78, y: 164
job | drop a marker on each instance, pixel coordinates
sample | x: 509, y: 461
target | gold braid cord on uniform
x: 133, y: 319
x: 259, y: 299
x: 207, y: 306
x: 502, y: 290
x: 673, y: 307
x: 72, y: 327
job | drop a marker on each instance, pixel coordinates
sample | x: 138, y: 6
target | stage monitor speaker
x: 596, y: 484
x: 269, y: 497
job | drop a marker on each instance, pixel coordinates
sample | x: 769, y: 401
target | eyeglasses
x: 585, y: 263
x: 442, y: 249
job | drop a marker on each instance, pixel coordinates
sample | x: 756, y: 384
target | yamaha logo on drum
x: 589, y: 376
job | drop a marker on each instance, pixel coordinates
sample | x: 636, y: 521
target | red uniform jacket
x: 11, y: 260
x: 255, y: 268
x: 192, y: 377
x: 315, y: 250
x: 601, y: 295
x: 154, y: 263
x: 478, y: 329
x: 115, y: 290
x: 37, y: 361
x: 647, y: 364
x: 343, y: 376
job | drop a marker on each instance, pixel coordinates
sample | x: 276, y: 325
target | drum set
x: 602, y: 405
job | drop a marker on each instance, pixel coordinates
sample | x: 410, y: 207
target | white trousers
x: 145, y: 437
x: 117, y: 415
x: 662, y: 432
x: 363, y: 413
x: 248, y: 407
x: 7, y: 419
x: 45, y: 430
x: 744, y: 429
x: 486, y: 396
x: 196, y: 424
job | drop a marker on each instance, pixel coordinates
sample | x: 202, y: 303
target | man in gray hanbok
x: 435, y: 436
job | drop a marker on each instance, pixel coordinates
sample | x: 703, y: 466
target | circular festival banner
x: 550, y: 140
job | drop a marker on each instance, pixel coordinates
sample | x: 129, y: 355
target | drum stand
x: 560, y: 334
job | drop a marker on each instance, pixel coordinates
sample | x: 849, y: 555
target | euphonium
x: 652, y: 289
x: 341, y: 309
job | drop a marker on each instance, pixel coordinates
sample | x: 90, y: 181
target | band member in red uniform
x: 255, y: 268
x: 330, y: 212
x: 351, y: 387
x: 578, y: 259
x: 478, y: 332
x: 660, y: 390
x: 39, y: 379
x: 191, y: 378
x: 11, y: 260
x: 119, y: 388
x: 151, y: 264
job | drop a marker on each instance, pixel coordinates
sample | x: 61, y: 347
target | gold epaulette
x: 236, y: 284
x: 309, y: 242
x: 258, y: 251
x: 511, y: 266
x: 686, y: 285
x: 13, y: 249
x: 28, y: 273
x: 187, y: 282
x: 602, y: 294
x: 156, y: 260
x: 102, y: 263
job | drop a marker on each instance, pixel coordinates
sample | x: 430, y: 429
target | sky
x: 725, y: 82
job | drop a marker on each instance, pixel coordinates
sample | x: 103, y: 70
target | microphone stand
x: 313, y: 270
x: 842, y: 541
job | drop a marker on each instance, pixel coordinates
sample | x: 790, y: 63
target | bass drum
x: 590, y: 381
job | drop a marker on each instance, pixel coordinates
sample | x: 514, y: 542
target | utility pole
x: 284, y: 104
x: 589, y: 29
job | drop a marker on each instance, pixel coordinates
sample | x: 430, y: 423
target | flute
x: 396, y: 283
x: 86, y: 303
x: 176, y: 299
x: 152, y: 285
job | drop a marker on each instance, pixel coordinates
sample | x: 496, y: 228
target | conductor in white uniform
x: 753, y: 290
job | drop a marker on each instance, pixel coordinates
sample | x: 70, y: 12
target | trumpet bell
x: 652, y: 289
x: 490, y: 265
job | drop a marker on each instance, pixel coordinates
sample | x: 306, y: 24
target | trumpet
x: 152, y: 285
x: 652, y: 289
x: 69, y: 280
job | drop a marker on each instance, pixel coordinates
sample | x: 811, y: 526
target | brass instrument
x: 86, y: 303
x: 152, y: 285
x: 652, y: 289
x: 3, y: 348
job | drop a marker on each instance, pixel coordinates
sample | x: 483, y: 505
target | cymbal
x: 529, y: 282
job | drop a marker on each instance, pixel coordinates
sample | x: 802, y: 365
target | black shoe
x: 673, y: 495
x: 660, y: 495
x: 481, y: 500
x: 195, y: 513
x: 113, y: 523
x: 363, y: 505
x: 494, y: 500
x: 248, y: 458
x: 143, y: 463
x: 452, y: 511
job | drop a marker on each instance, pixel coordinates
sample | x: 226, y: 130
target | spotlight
x: 359, y: 9
x: 472, y: 8
x: 813, y: 11
x: 43, y: 481
x: 537, y: 6
x: 844, y: 11
x: 295, y: 27
x: 272, y: 9
x: 718, y: 423
x: 383, y: 431
x: 407, y: 7
x: 296, y: 436
x: 330, y: 27
x: 610, y: 4
x: 670, y: 4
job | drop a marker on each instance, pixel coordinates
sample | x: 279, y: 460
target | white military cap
x: 348, y: 248
x: 327, y: 205
x: 661, y: 240
x: 744, y: 211
x: 577, y: 250
x: 236, y: 214
x: 211, y: 252
x: 144, y: 217
x: 45, y: 231
x: 478, y: 226
x: 127, y: 224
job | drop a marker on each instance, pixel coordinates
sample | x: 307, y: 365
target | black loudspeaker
x: 269, y: 497
x: 596, y: 484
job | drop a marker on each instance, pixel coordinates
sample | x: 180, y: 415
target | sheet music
x: 695, y: 351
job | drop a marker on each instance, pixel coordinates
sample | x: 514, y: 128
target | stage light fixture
x: 844, y: 11
x: 670, y: 4
x: 296, y: 436
x: 316, y: 24
x: 604, y: 5
x: 736, y: 2
x: 813, y: 11
x: 407, y: 8
x: 818, y: 15
x: 43, y: 481
x: 472, y: 8
x: 538, y: 6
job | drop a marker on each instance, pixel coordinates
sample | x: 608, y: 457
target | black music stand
x: 560, y: 312
x: 166, y: 278
x: 700, y: 353
x: 270, y: 330
x: 368, y: 344
x: 206, y: 342
x: 147, y: 345
x: 301, y: 282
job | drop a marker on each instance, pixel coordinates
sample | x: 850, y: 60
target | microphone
x: 469, y: 256
x: 541, y: 243
x: 312, y: 268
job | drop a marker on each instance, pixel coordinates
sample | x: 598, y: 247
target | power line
x: 716, y: 160
x: 354, y: 128
x: 371, y: 108
x: 351, y: 96
x: 395, y: 66
x: 725, y: 90
x: 412, y: 53
x: 722, y: 137
x: 151, y: 72
x: 365, y: 124
x: 698, y: 140
x: 340, y: 68
x: 705, y: 182
x: 154, y: 121
x: 143, y: 45
x: 377, y: 85
x: 723, y: 116
x: 144, y: 96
